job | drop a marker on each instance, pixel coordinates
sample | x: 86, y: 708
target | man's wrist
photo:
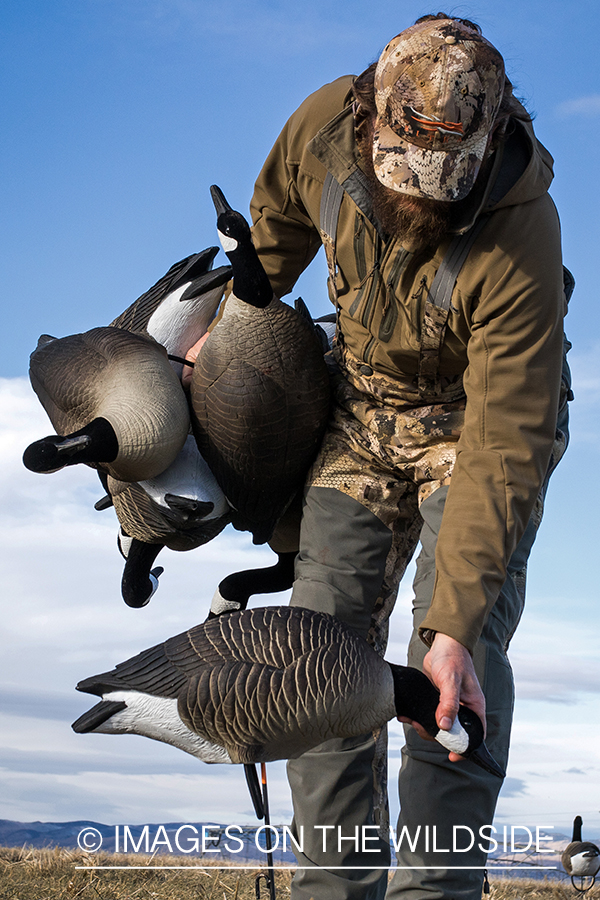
x: 427, y: 635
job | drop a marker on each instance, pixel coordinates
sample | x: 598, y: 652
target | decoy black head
x: 250, y: 281
x: 230, y: 223
x: 417, y: 699
x: 184, y: 510
x: 96, y: 443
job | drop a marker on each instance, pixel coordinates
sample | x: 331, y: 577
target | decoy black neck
x: 415, y: 696
x: 577, y: 823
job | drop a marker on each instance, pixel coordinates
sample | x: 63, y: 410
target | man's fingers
x: 449, y: 666
x: 418, y: 728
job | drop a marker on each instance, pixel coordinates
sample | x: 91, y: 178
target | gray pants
x: 349, y: 565
x: 340, y: 570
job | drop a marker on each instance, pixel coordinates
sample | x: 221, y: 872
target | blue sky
x: 117, y: 116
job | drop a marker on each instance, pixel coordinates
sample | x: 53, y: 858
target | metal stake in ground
x: 270, y: 878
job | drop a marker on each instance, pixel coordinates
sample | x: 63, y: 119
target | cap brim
x: 446, y: 175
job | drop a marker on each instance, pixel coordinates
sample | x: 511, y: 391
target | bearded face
x: 413, y: 220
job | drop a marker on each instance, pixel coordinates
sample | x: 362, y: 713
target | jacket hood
x: 528, y: 172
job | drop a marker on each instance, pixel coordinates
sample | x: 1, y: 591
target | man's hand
x: 450, y: 667
x: 186, y: 375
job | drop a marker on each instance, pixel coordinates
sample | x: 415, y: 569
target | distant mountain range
x: 201, y: 839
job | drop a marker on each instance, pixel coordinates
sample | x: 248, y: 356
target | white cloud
x: 587, y: 106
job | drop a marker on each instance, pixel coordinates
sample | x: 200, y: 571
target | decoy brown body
x: 113, y: 399
x: 580, y: 858
x: 260, y: 390
x: 271, y: 683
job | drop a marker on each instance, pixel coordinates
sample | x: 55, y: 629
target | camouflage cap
x: 438, y: 88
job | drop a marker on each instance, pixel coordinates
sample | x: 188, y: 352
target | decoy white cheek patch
x: 157, y: 718
x: 227, y: 243
x: 456, y: 740
x: 220, y: 605
x: 124, y: 542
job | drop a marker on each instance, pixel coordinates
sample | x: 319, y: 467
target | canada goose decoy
x: 178, y: 309
x: 271, y: 683
x: 260, y: 389
x: 581, y: 858
x: 80, y: 373
x: 181, y: 509
x: 114, y: 400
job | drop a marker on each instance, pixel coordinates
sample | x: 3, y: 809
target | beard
x: 414, y: 220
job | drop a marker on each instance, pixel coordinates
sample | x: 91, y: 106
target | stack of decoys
x: 178, y: 500
x: 581, y: 859
x: 260, y: 399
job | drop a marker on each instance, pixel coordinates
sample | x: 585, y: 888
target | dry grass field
x: 28, y: 874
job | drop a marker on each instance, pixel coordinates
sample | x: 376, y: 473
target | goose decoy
x: 260, y: 389
x: 114, y: 400
x: 82, y: 373
x: 581, y: 858
x: 181, y: 509
x: 268, y: 684
x: 178, y: 309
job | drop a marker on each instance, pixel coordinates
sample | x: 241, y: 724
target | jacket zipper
x: 374, y: 287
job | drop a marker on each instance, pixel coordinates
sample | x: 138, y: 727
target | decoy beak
x: 53, y: 452
x: 69, y: 446
x: 218, y: 198
x: 484, y: 759
x: 197, y: 508
x: 103, y: 503
x: 95, y: 442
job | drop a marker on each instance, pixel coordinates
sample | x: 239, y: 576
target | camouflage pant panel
x: 389, y: 449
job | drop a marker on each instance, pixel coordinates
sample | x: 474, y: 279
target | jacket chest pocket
x: 389, y: 279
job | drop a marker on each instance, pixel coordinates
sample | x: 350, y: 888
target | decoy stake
x: 588, y: 880
x: 270, y: 878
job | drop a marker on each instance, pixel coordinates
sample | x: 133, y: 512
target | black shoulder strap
x: 437, y: 307
x: 442, y: 286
